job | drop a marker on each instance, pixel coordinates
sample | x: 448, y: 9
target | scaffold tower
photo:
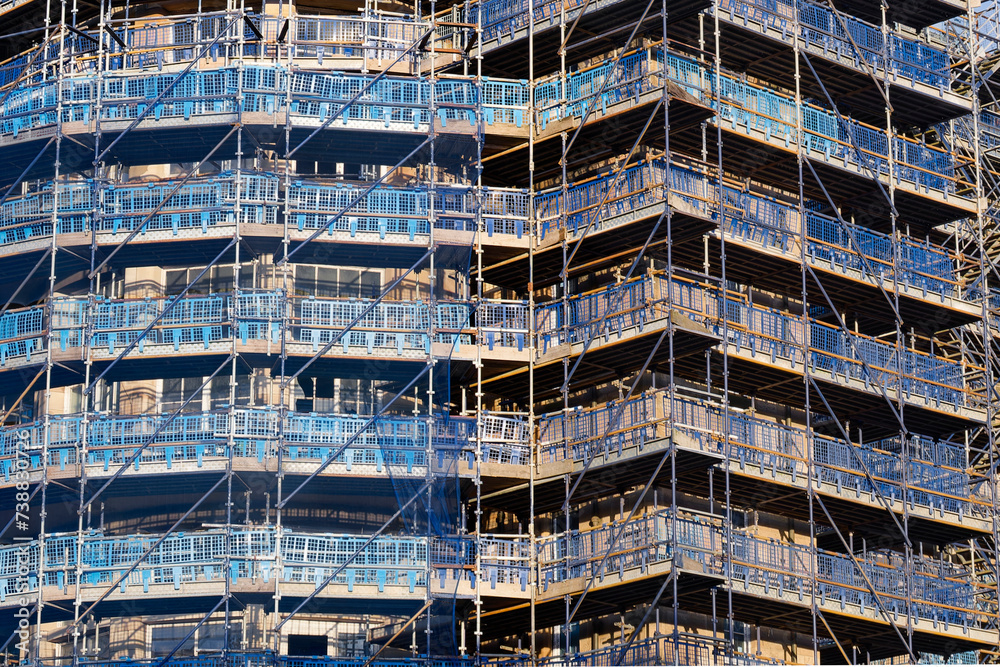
x: 508, y: 333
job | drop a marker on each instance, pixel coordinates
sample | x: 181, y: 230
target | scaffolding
x: 493, y: 332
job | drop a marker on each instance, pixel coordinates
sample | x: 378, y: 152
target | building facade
x: 596, y: 332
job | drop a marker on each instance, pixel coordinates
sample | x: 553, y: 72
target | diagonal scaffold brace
x: 166, y: 199
x: 613, y: 421
x: 190, y: 634
x: 620, y: 658
x: 364, y: 89
x: 364, y: 193
x: 868, y: 583
x: 350, y: 325
x: 618, y: 535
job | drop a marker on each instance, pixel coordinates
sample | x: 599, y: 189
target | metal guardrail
x: 753, y: 218
x: 936, y: 472
x: 746, y: 105
x: 400, y: 103
x: 661, y: 651
x: 754, y: 108
x: 391, y: 103
x: 638, y: 543
x: 8, y: 5
x: 750, y: 107
x: 501, y: 18
x: 184, y: 558
x: 653, y: 651
x: 901, y: 56
x: 404, y: 326
x: 269, y: 659
x: 192, y: 440
x: 256, y: 315
x: 941, y: 592
x: 989, y: 129
x: 209, y: 202
x: 557, y: 98
x: 365, y: 38
x: 758, y: 330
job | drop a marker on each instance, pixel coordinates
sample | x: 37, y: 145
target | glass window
x: 305, y: 280
x: 216, y: 279
x: 357, y: 396
x: 177, y: 390
x: 211, y: 637
x: 326, y: 282
x: 74, y: 398
x: 350, y: 283
x: 223, y: 278
x: 201, y: 286
x: 350, y: 645
x: 166, y: 637
x: 220, y: 390
x: 104, y: 643
x: 349, y: 395
x: 247, y: 276
x: 333, y: 282
x: 371, y: 284
x: 176, y: 281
